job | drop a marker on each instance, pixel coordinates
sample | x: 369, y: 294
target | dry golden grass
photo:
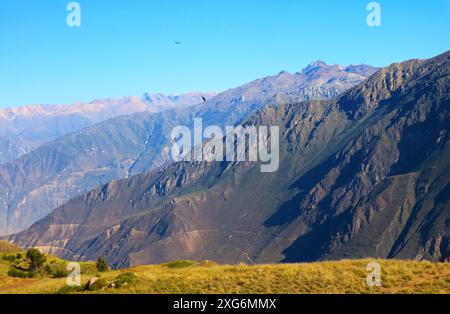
x: 7, y: 247
x: 41, y: 284
x: 341, y: 277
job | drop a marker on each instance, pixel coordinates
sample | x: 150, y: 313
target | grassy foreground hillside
x: 7, y: 248
x: 349, y: 276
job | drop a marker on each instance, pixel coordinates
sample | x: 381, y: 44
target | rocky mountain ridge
x: 23, y: 129
x: 38, y: 182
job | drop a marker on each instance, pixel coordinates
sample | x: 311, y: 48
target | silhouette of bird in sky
x: 178, y: 43
x: 204, y: 99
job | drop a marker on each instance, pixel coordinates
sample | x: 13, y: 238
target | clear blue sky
x: 126, y: 47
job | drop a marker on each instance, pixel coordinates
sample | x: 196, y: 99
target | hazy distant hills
x: 365, y: 174
x: 36, y: 183
x: 25, y: 128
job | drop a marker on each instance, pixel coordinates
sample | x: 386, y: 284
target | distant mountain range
x: 364, y: 174
x: 25, y: 128
x: 38, y: 182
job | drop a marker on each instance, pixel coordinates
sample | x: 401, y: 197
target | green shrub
x: 98, y: 285
x: 47, y: 269
x: 56, y: 270
x: 36, y: 258
x: 60, y: 274
x: 69, y: 289
x: 14, y: 272
x: 9, y: 258
x: 125, y: 278
x: 180, y: 264
x: 102, y: 264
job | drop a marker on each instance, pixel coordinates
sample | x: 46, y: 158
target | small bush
x: 56, y: 270
x: 9, y: 258
x: 60, y: 274
x: 14, y: 272
x: 69, y: 289
x: 180, y: 264
x: 128, y: 278
x: 98, y: 285
x: 36, y: 258
x: 102, y: 264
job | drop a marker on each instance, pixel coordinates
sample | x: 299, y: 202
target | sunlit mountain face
x: 23, y: 129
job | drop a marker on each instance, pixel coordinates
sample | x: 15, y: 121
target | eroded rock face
x: 47, y: 177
